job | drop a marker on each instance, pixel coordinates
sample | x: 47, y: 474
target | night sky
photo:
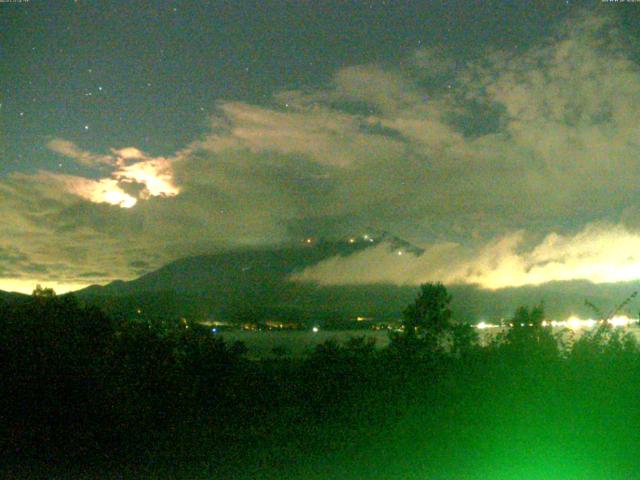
x: 501, y: 137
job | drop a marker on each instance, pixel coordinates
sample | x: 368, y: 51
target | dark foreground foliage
x: 85, y: 396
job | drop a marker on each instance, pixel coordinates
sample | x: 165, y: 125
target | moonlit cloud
x: 129, y: 153
x: 601, y: 254
x: 105, y: 190
x: 71, y: 150
x: 327, y: 136
x: 131, y: 166
x: 155, y: 174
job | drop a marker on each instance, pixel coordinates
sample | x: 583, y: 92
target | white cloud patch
x: 105, y: 190
x: 600, y: 254
x: 83, y: 157
x: 129, y: 153
x: 155, y: 175
x: 327, y: 136
x: 130, y: 167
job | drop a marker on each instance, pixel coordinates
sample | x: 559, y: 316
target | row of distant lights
x: 215, y: 330
x: 573, y: 322
x: 366, y: 237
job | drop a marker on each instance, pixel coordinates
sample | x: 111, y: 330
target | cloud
x: 83, y: 157
x: 599, y: 253
x: 129, y: 153
x: 327, y: 136
x: 383, y: 91
x: 68, y: 225
x: 134, y: 175
x: 155, y: 175
x: 492, y: 163
x: 105, y: 190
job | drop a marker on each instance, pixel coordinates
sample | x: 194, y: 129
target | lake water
x: 297, y: 342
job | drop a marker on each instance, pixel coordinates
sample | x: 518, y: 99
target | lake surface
x: 260, y: 344
x: 297, y: 342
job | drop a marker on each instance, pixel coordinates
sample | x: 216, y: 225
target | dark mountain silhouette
x: 254, y: 284
x: 12, y: 297
x: 247, y: 271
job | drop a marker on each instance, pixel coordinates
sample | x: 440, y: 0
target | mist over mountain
x: 244, y: 283
x: 256, y: 284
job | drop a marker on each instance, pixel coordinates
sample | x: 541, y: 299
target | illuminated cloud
x: 129, y: 153
x: 105, y: 190
x: 155, y: 174
x: 83, y: 157
x: 327, y: 136
x: 130, y: 166
x: 600, y: 254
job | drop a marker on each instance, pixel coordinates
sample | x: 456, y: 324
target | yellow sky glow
x: 28, y: 286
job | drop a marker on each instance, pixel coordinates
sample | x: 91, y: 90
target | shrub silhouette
x: 82, y: 388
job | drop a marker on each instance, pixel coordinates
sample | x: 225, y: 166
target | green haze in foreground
x: 89, y: 396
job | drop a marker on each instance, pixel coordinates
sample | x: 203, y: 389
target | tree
x: 528, y: 336
x: 429, y: 314
x: 44, y: 293
x: 464, y: 338
x: 426, y: 322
